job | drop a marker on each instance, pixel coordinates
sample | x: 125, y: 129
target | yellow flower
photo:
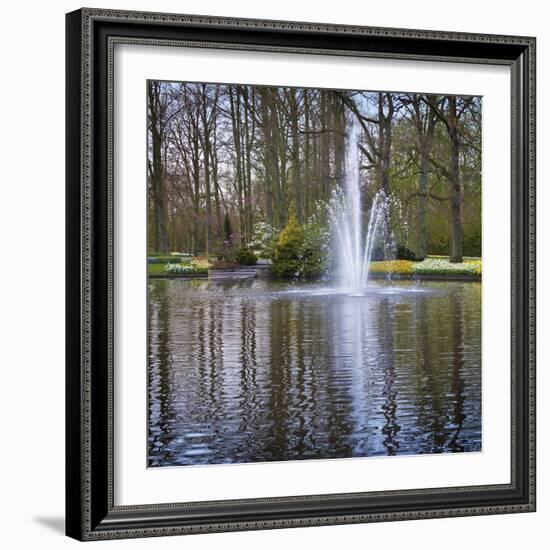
x: 391, y: 266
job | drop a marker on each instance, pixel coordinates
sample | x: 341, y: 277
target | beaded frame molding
x: 90, y: 510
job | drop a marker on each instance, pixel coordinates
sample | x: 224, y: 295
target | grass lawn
x: 155, y: 268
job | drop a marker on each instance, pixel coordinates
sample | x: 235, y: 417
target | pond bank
x: 374, y: 275
x: 163, y: 275
x: 433, y: 268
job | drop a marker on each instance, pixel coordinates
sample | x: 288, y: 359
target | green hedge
x: 158, y: 259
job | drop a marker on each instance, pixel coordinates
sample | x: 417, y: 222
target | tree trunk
x: 324, y: 153
x: 307, y: 161
x: 271, y: 164
x: 196, y: 195
x: 339, y: 139
x: 160, y: 232
x: 247, y: 160
x: 385, y: 140
x: 296, y: 180
x: 456, y: 191
x: 216, y: 185
x: 206, y: 164
x: 425, y: 141
x: 235, y: 102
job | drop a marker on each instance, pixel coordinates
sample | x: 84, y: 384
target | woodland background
x: 229, y: 159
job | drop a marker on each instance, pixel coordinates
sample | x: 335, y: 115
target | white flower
x: 177, y: 268
x: 439, y: 265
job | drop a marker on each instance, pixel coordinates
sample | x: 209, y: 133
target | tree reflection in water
x: 248, y: 371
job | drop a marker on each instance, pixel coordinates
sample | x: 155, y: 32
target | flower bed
x: 179, y: 268
x: 201, y: 262
x: 441, y: 266
x: 430, y: 266
x: 391, y: 266
x: 198, y: 265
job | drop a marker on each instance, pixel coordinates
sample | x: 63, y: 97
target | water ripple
x: 249, y: 371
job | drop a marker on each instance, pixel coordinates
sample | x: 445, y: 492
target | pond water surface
x: 254, y: 370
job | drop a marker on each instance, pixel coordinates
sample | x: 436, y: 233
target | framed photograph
x: 300, y: 274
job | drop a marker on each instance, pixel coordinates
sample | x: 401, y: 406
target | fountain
x: 353, y: 241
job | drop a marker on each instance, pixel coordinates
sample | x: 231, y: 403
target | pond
x: 256, y: 370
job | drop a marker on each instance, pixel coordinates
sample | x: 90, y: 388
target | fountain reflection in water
x: 354, y: 241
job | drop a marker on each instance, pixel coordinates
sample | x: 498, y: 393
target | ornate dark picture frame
x: 90, y: 510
